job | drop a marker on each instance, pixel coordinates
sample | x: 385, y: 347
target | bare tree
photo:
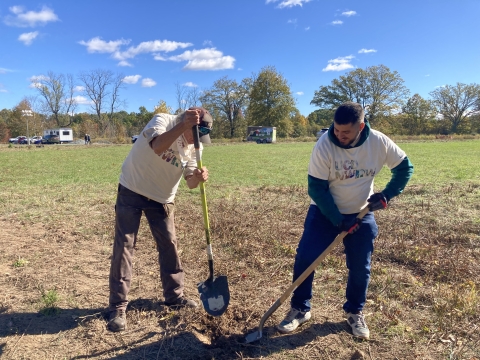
x: 193, y: 97
x: 230, y: 99
x: 38, y: 120
x: 56, y: 92
x: 180, y: 94
x: 103, y: 87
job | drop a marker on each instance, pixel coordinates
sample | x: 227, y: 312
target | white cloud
x: 207, y: 53
x: 38, y: 78
x: 16, y: 9
x: 147, y: 82
x: 208, y: 43
x: 159, y: 57
x: 190, y: 84
x: 337, y: 22
x: 35, y: 81
x: 22, y: 18
x: 307, y: 28
x: 288, y: 3
x: 299, y: 93
x: 154, y: 46
x: 339, y: 64
x: 2, y: 89
x: 82, y: 100
x: 366, y: 51
x: 292, y: 21
x: 205, y: 59
x: 96, y: 44
x: 4, y: 71
x: 27, y: 38
x: 225, y: 62
x: 131, y: 79
x: 124, y: 63
x: 79, y: 88
x: 427, y: 75
x: 349, y: 13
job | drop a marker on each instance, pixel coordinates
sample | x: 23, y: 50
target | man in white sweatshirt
x: 151, y: 173
x: 342, y: 167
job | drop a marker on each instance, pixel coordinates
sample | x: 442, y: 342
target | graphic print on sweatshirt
x: 170, y: 157
x: 350, y: 169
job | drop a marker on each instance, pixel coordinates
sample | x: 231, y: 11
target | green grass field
x: 62, y: 171
x: 230, y: 165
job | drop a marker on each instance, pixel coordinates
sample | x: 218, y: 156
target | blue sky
x: 157, y: 44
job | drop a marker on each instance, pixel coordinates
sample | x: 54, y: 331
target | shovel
x: 258, y: 334
x: 213, y: 291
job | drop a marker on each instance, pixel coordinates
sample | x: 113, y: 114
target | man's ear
x: 362, y: 125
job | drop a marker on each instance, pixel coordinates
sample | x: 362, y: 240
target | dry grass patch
x: 423, y: 298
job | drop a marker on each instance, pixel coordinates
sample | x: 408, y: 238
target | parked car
x: 22, y: 140
x: 35, y: 139
x: 51, y: 139
x: 321, y: 132
x: 15, y: 140
x: 134, y: 138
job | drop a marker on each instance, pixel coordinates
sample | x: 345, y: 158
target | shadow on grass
x: 53, y: 320
x: 183, y: 345
x: 187, y: 346
x: 47, y: 321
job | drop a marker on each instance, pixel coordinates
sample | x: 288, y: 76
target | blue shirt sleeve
x: 401, y: 174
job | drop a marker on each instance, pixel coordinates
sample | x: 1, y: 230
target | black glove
x: 350, y: 226
x: 377, y: 201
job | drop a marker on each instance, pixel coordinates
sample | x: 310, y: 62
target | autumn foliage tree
x: 377, y: 88
x: 271, y: 101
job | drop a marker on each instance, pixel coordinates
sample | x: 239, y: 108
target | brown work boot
x: 117, y: 320
x: 181, y: 302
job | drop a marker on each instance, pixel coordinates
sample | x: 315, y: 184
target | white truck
x: 262, y: 134
x: 60, y: 135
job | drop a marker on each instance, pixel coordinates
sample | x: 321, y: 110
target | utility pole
x: 27, y: 113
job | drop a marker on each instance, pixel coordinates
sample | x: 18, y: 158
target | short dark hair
x: 349, y: 113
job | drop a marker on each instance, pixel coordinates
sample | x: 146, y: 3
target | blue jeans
x: 318, y: 234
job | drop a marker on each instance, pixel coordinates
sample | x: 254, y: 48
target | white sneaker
x: 358, y: 325
x: 293, y: 319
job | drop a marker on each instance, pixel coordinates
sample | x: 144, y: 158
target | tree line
x: 263, y: 99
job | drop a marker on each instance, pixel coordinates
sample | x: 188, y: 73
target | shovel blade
x: 253, y: 337
x: 215, y: 295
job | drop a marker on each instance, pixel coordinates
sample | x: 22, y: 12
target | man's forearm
x: 400, y: 177
x: 162, y: 142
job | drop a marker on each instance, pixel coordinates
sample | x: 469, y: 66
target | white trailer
x: 65, y: 135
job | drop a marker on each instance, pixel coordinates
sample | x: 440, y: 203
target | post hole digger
x: 258, y: 334
x: 214, y: 292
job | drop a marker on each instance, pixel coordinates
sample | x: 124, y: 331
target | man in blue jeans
x: 342, y: 167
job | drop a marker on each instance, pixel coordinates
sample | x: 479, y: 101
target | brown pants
x: 128, y: 212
